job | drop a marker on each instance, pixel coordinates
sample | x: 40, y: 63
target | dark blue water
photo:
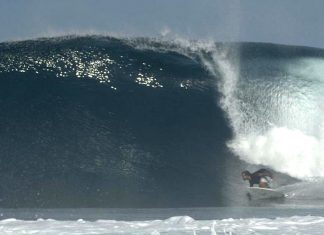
x: 105, y: 122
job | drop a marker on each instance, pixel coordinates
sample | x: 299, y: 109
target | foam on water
x: 173, y: 225
x: 277, y: 118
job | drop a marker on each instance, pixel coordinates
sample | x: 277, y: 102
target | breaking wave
x: 148, y: 122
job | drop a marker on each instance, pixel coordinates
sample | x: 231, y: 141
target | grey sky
x: 298, y: 22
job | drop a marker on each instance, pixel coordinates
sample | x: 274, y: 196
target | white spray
x: 277, y: 121
x: 284, y: 128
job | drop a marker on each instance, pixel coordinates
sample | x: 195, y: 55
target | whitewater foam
x: 288, y: 151
x: 276, y: 117
x: 275, y: 123
x: 173, y: 225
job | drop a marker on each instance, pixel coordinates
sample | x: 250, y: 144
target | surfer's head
x: 246, y: 175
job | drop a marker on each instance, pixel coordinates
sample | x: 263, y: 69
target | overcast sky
x: 297, y: 22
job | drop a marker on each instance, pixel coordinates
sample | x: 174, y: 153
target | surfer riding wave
x: 261, y: 177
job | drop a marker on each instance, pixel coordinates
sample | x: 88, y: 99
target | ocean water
x: 102, y: 122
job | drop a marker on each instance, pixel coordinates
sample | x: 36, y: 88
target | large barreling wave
x: 100, y: 121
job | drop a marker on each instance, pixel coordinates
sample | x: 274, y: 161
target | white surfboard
x: 264, y: 193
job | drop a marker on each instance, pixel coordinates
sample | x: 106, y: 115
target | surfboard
x: 264, y: 193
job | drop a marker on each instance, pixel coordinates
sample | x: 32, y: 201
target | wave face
x: 105, y: 122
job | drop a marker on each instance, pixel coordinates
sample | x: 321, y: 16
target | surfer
x: 259, y: 177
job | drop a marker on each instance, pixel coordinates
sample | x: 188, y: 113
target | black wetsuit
x: 258, y: 175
